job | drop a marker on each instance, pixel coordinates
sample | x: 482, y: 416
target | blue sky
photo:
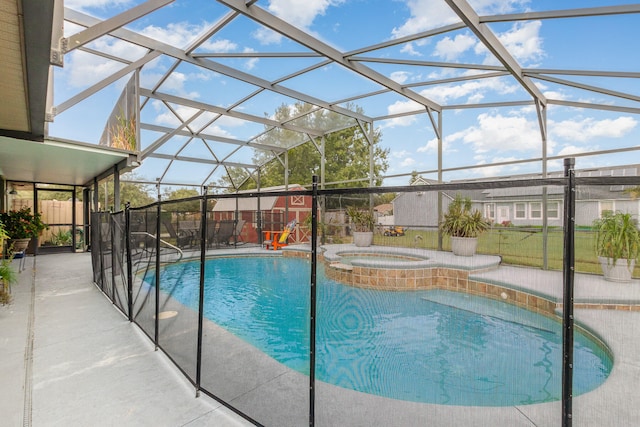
x: 470, y: 136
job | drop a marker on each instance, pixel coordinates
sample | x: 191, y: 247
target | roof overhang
x: 25, y: 47
x: 59, y: 162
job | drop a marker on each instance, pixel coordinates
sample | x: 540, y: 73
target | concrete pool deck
x: 70, y: 358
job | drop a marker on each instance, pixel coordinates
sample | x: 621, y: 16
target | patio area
x: 70, y: 358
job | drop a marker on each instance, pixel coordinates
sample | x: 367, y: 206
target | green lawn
x: 515, y: 246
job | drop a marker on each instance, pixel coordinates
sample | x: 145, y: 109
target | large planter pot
x: 362, y: 238
x: 464, y: 246
x: 619, y: 272
x: 18, y: 245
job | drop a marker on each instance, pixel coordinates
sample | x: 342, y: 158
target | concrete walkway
x: 70, y: 359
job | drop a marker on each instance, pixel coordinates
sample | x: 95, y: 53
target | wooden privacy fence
x: 53, y: 212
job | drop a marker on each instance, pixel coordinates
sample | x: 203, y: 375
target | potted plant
x: 617, y: 245
x: 363, y: 223
x: 8, y: 276
x: 3, y: 237
x: 463, y: 225
x: 22, y: 226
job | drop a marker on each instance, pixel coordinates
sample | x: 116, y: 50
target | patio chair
x: 237, y: 230
x: 187, y: 233
x: 212, y: 229
x: 224, y: 233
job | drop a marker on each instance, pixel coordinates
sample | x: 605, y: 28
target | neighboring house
x: 522, y: 206
x: 276, y: 211
x: 384, y: 214
x: 420, y: 208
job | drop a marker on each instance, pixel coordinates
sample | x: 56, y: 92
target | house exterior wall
x: 414, y: 210
x: 589, y: 210
x: 523, y: 212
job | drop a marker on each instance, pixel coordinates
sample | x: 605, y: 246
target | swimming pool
x: 423, y: 346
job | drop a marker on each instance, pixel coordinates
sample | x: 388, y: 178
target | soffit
x: 55, y: 162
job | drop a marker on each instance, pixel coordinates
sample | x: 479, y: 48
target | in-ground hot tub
x: 402, y: 269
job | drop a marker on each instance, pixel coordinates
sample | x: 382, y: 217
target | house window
x: 553, y: 210
x: 535, y: 210
x: 490, y: 211
x: 606, y: 207
x: 520, y: 210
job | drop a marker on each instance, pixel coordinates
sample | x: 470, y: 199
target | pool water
x: 425, y: 346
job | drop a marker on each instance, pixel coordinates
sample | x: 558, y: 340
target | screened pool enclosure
x: 190, y: 131
x: 402, y: 332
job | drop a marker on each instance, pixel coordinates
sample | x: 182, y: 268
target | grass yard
x: 515, y: 246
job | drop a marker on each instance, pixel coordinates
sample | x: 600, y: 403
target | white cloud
x: 83, y: 5
x: 265, y: 36
x: 219, y: 46
x: 409, y: 161
x: 523, y: 41
x: 553, y: 94
x: 301, y: 13
x: 250, y: 63
x: 179, y: 34
x: 428, y: 14
x: 408, y: 49
x: 168, y: 118
x: 497, y: 133
x: 569, y: 150
x: 83, y: 69
x: 424, y: 15
x: 589, y: 128
x: 450, y: 49
x: 400, y: 107
x: 298, y: 13
x: 399, y: 154
x: 492, y: 171
x: 432, y: 145
x: 472, y: 90
x: 400, y: 76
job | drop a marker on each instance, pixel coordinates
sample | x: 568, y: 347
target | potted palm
x: 617, y: 245
x: 22, y: 226
x: 363, y: 223
x: 463, y: 225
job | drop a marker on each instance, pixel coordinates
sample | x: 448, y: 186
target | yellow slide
x: 287, y: 230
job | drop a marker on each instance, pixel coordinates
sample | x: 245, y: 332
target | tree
x: 181, y: 193
x: 136, y: 194
x: 346, y: 150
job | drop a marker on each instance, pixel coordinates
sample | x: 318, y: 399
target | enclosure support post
x: 203, y: 254
x: 127, y: 242
x: 567, y: 300
x: 116, y: 189
x: 312, y: 319
x: 74, y: 219
x: 114, y: 259
x: 259, y: 213
x: 157, y: 282
x: 439, y: 179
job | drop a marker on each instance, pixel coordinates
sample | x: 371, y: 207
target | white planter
x: 464, y: 246
x: 362, y: 238
x: 620, y: 272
